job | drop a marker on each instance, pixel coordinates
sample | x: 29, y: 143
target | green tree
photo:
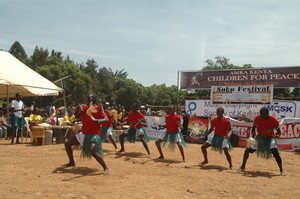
x: 119, y: 74
x: 221, y: 63
x: 128, y: 91
x: 39, y: 57
x: 18, y: 51
x: 80, y: 83
x: 296, y: 93
x: 58, y: 55
x: 280, y: 93
x: 91, y: 68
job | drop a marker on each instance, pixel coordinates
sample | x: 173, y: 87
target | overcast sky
x: 153, y: 39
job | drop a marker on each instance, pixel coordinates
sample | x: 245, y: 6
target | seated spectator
x: 51, y: 109
x: 3, y: 125
x: 119, y: 112
x: 4, y: 109
x: 69, y: 119
x: 121, y: 121
x: 35, y: 118
x: 32, y: 106
x: 71, y: 107
x: 46, y: 117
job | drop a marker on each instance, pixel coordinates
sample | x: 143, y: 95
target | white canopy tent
x: 16, y: 77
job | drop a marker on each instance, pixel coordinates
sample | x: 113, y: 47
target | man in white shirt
x: 17, y: 123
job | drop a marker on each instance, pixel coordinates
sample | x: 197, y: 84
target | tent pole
x: 7, y: 104
x: 177, y: 96
x: 65, y: 102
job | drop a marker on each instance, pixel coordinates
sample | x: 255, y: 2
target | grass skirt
x: 85, y: 149
x: 263, y: 146
x: 131, y: 134
x: 103, y: 133
x: 171, y: 139
x: 217, y: 143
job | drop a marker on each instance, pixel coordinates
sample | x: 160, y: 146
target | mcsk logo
x: 283, y: 108
x: 191, y: 107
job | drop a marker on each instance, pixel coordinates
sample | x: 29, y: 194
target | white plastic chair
x: 28, y: 131
x: 60, y: 121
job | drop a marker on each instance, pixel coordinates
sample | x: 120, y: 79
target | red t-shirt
x: 88, y: 125
x: 134, y: 119
x: 110, y: 118
x: 265, y: 124
x: 221, y: 126
x: 172, y: 123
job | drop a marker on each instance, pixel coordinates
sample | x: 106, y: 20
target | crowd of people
x: 99, y: 122
x: 16, y: 120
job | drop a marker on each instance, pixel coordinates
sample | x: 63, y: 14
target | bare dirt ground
x: 35, y: 172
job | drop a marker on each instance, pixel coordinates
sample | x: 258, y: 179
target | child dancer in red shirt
x: 172, y: 135
x: 220, y: 140
x: 137, y: 122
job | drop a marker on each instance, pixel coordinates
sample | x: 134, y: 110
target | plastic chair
x: 60, y: 121
x: 28, y: 131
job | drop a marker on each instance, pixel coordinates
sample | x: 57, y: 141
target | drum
x: 58, y: 134
x: 125, y: 127
x: 38, y: 135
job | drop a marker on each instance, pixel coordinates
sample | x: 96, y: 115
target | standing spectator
x: 185, y: 123
x: 17, y: 120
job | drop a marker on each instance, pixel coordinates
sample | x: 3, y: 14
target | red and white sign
x: 288, y: 141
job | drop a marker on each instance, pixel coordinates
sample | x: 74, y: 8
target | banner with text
x: 154, y: 132
x: 280, y: 77
x: 278, y: 108
x: 288, y: 141
x: 262, y: 94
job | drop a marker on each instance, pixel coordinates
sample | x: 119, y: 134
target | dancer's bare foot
x: 121, y: 151
x: 282, y: 173
x: 70, y: 164
x: 161, y: 158
x: 106, y: 171
x: 204, y: 162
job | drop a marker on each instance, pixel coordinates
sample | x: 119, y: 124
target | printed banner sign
x: 288, y: 141
x: 196, y: 129
x: 154, y: 132
x: 280, y: 77
x: 278, y: 108
x: 261, y: 94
